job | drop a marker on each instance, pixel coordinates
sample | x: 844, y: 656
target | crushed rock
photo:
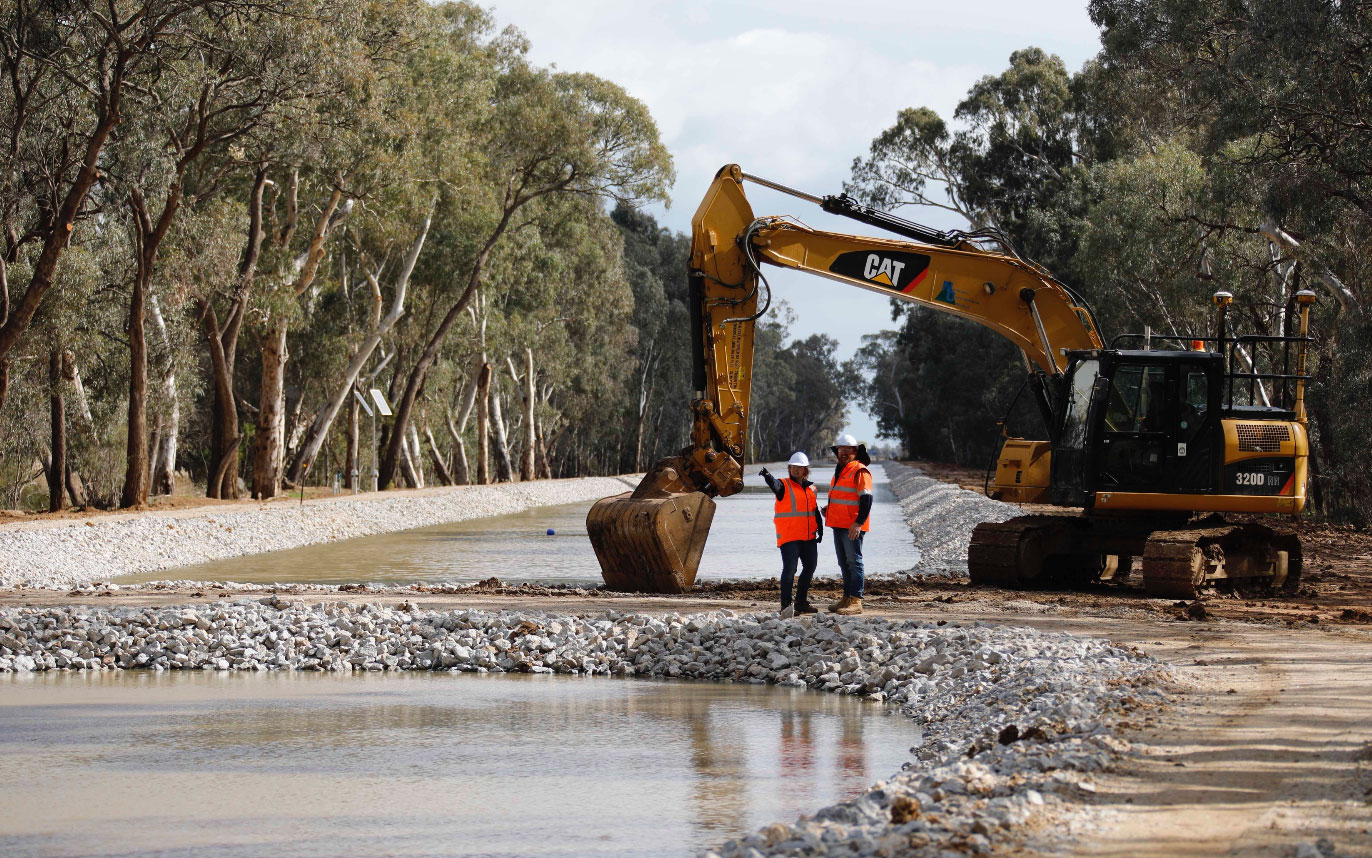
x: 941, y: 517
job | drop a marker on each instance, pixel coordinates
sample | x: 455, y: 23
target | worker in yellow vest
x: 848, y: 512
x: 799, y: 529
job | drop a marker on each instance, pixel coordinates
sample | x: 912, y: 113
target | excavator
x: 1147, y: 446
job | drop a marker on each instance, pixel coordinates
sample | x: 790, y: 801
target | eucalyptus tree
x: 655, y: 263
x: 73, y: 70
x: 229, y: 72
x: 422, y: 137
x: 548, y: 134
x: 384, y: 129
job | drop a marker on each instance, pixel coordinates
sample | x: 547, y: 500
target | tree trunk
x: 483, y: 426
x: 407, y: 468
x: 504, y: 473
x: 416, y: 457
x: 164, y: 461
x: 352, y: 468
x: 270, y: 438
x: 223, y: 348
x: 440, y: 467
x: 57, y: 411
x: 528, y: 458
x: 76, y: 489
x: 460, y: 471
x: 136, y: 451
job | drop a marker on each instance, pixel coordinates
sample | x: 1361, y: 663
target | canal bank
x: 66, y: 552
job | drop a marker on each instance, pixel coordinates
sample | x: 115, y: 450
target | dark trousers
x: 807, y: 552
x: 849, y: 553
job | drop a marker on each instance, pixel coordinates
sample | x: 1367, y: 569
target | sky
x: 793, y: 92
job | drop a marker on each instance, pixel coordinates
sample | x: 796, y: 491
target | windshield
x: 1078, y: 403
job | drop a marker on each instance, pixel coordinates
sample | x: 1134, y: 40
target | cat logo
x: 889, y: 269
x: 882, y: 270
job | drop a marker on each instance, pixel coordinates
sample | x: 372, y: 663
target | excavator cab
x: 1138, y: 421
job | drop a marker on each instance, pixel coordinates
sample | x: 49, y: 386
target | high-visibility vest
x: 794, y: 514
x: 844, y: 496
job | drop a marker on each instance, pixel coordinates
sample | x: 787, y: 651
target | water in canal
x: 516, y: 548
x: 219, y: 764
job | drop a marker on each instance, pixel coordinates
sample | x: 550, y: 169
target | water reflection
x: 192, y: 764
x: 517, y: 548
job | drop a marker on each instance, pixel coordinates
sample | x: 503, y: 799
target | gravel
x: 99, y: 550
x: 1010, y: 719
x: 941, y: 517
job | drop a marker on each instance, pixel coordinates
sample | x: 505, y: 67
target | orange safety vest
x: 794, y: 514
x: 843, y: 498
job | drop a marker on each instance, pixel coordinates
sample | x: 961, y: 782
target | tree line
x: 224, y: 221
x: 1208, y: 146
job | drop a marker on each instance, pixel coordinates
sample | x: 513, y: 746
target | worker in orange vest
x: 799, y: 529
x: 848, y: 512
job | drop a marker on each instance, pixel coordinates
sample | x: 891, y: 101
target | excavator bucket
x: 650, y: 544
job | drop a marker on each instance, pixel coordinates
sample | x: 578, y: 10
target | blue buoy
x: 551, y: 532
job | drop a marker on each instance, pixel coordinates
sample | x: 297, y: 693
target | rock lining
x: 941, y: 517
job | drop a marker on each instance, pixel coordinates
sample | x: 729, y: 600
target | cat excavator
x: 1147, y: 446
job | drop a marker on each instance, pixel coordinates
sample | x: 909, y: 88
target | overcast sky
x: 793, y: 92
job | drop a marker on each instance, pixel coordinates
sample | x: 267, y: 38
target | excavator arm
x: 651, y: 540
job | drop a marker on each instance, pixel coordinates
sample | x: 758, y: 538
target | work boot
x: 833, y: 608
x: 854, y: 606
x: 805, y: 608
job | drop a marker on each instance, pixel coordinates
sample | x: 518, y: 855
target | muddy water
x: 196, y: 764
x: 517, y: 548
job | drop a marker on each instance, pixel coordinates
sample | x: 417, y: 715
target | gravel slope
x: 98, y: 550
x: 941, y: 517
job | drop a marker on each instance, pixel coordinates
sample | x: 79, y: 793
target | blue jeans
x: 805, y: 551
x: 849, y: 553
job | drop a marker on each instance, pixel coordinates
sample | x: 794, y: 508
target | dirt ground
x: 1268, y: 754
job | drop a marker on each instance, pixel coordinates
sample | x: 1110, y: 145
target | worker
x: 848, y: 512
x: 799, y: 529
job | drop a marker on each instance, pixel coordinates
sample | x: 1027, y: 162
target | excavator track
x: 1178, y: 564
x: 1012, y: 553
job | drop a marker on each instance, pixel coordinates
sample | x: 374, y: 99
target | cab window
x: 1138, y: 400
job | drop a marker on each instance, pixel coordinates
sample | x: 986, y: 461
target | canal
x: 518, y: 548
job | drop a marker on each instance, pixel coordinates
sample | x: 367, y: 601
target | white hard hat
x: 846, y: 440
x: 800, y: 459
